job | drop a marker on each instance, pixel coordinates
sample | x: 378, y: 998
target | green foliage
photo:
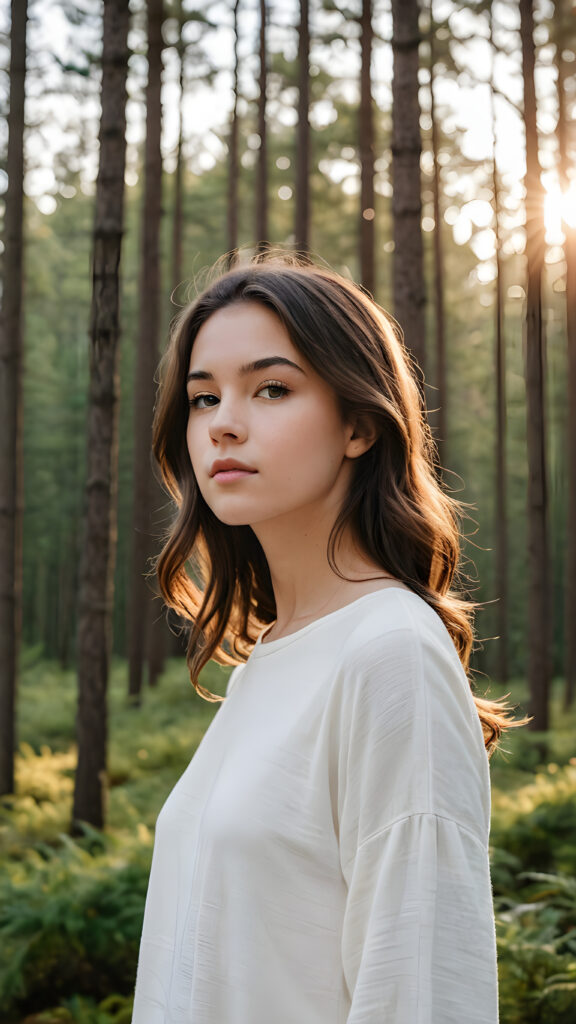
x: 71, y: 910
x: 537, y: 954
x: 533, y: 865
x: 80, y: 1010
x: 70, y: 921
x: 537, y: 823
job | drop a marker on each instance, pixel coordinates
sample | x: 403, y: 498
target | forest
x: 423, y: 148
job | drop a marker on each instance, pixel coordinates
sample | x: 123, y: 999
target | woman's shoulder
x: 395, y: 618
x: 400, y: 644
x: 400, y: 671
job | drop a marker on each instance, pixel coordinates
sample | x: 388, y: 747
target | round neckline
x: 260, y: 649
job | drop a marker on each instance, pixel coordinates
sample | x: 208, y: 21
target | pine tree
x: 366, y: 150
x: 302, y: 204
x: 501, y: 484
x: 99, y: 547
x: 141, y: 609
x: 11, y: 342
x: 233, y: 164
x: 539, y: 593
x: 262, y: 164
x: 408, y: 276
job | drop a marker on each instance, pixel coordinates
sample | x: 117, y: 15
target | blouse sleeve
x: 418, y: 939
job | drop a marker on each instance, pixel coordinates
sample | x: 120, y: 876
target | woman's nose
x: 227, y: 424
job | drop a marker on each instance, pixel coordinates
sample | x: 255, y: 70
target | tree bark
x: 178, y: 172
x: 302, y: 207
x: 501, y: 523
x: 563, y: 13
x: 366, y: 149
x: 539, y: 596
x: 570, y: 565
x: 441, y: 395
x: 157, y: 640
x: 262, y: 165
x: 11, y: 343
x: 408, y: 275
x: 98, y: 555
x: 233, y: 164
x: 141, y: 598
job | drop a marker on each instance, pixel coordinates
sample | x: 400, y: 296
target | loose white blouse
x: 324, y: 858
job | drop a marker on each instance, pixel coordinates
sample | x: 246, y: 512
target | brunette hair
x: 216, y: 575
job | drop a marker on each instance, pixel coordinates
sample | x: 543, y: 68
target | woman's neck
x: 305, y: 586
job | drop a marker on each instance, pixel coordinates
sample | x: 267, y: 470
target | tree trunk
x: 157, y: 642
x: 98, y: 555
x: 562, y: 14
x: 302, y: 208
x: 173, y: 644
x: 570, y: 566
x: 11, y: 342
x: 178, y: 172
x: 539, y: 597
x: 501, y: 523
x: 366, y: 149
x: 233, y: 165
x: 408, y: 277
x: 262, y: 165
x: 140, y: 607
x: 67, y: 598
x: 441, y: 394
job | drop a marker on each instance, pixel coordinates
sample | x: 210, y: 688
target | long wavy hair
x: 216, y: 575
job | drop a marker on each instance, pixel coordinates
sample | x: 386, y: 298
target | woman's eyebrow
x: 258, y: 364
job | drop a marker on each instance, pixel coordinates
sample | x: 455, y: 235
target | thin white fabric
x: 324, y: 858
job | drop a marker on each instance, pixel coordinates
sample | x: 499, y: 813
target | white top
x: 324, y: 857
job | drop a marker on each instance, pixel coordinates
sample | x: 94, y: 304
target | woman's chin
x: 229, y: 519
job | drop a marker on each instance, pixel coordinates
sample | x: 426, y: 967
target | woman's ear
x: 362, y: 437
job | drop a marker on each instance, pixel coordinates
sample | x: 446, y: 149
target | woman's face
x: 265, y: 434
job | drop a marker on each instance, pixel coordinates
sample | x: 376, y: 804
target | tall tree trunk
x: 302, y: 207
x: 366, y: 149
x: 11, y: 341
x: 408, y: 277
x: 68, y: 597
x: 178, y: 172
x: 140, y: 608
x: 158, y: 635
x: 173, y: 642
x: 262, y: 165
x: 441, y: 395
x: 539, y: 597
x: 501, y: 523
x: 570, y: 565
x: 233, y: 164
x: 98, y: 555
x: 563, y: 13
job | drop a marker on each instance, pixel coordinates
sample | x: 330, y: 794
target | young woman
x: 324, y: 858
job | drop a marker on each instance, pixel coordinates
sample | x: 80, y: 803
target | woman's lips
x: 229, y: 475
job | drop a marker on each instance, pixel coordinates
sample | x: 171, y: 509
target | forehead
x: 242, y: 331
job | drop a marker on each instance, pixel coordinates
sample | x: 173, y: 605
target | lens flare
x: 559, y: 211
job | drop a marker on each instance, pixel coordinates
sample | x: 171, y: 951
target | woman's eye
x: 274, y: 390
x: 203, y: 401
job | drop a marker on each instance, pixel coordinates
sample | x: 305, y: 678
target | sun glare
x: 559, y: 209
